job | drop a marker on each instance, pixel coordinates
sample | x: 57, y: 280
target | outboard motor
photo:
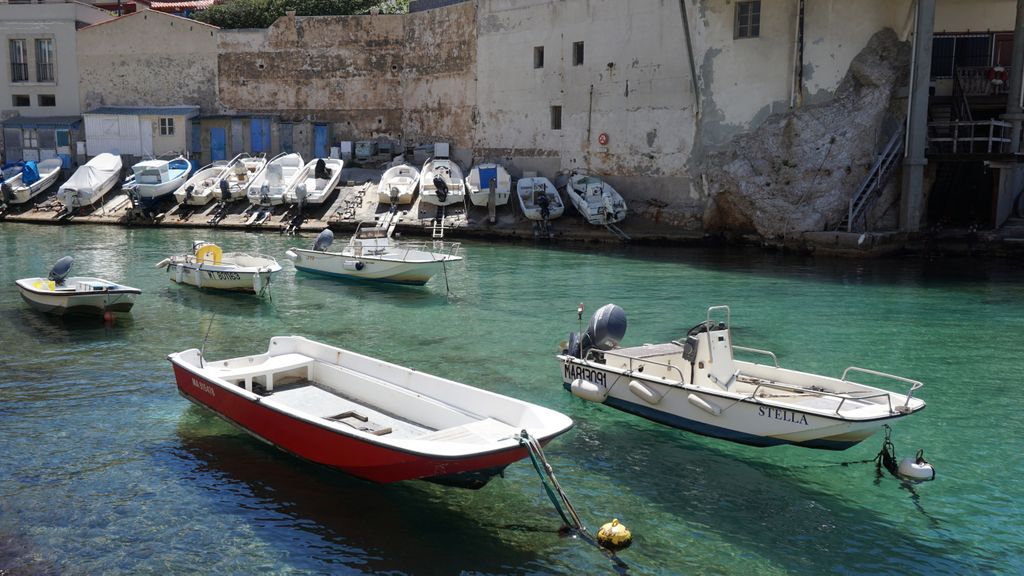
x: 442, y: 188
x: 544, y: 203
x: 324, y: 240
x: 61, y: 270
x: 605, y: 331
x: 188, y: 192
x: 225, y: 191
x: 393, y: 194
x: 320, y: 172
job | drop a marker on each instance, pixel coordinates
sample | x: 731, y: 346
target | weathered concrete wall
x: 157, y: 60
x: 974, y: 15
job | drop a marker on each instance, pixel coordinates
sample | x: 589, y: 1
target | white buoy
x: 588, y: 390
x: 916, y: 468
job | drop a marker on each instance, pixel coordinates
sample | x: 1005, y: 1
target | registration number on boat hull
x: 572, y: 372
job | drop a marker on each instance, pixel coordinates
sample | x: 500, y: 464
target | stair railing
x: 874, y: 181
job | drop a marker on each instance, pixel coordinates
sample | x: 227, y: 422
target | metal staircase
x: 874, y: 182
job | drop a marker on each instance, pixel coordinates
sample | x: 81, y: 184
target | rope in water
x: 560, y: 500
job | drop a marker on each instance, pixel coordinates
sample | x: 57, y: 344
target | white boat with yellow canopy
x: 210, y: 267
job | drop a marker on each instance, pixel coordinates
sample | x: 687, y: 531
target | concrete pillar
x: 911, y: 205
x: 1013, y: 108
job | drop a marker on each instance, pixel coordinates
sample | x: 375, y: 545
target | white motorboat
x: 151, y: 180
x: 595, y: 199
x: 441, y: 182
x: 398, y: 184
x: 315, y: 183
x: 209, y: 267
x: 478, y: 184
x: 696, y: 384
x: 60, y: 294
x: 539, y: 199
x: 372, y: 254
x: 268, y: 187
x: 91, y: 181
x: 201, y: 188
x: 31, y: 180
x: 242, y: 169
x: 364, y: 416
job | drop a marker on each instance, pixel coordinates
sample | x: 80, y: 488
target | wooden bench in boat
x: 267, y: 369
x: 319, y: 403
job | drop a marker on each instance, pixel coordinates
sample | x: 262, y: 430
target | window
x: 577, y: 53
x: 952, y: 52
x: 748, y: 19
x: 44, y: 60
x: 29, y: 138
x: 47, y: 100
x: 538, y: 56
x: 167, y: 126
x: 556, y: 117
x: 19, y: 61
x: 21, y: 101
x: 47, y: 139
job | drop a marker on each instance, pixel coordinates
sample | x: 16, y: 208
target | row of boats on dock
x: 288, y: 179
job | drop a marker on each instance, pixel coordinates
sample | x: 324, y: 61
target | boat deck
x: 649, y: 350
x: 306, y: 397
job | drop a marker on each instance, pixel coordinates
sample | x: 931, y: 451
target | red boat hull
x: 376, y: 462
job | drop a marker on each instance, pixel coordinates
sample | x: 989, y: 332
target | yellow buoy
x: 614, y: 536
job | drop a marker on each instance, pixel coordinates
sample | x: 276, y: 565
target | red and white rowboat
x: 364, y: 416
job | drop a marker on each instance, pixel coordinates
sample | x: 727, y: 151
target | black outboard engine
x: 544, y: 203
x: 225, y: 191
x: 442, y: 188
x: 605, y: 331
x: 320, y: 171
x: 61, y: 270
x: 324, y: 240
x: 188, y: 192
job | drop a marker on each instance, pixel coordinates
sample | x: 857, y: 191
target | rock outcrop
x: 797, y: 171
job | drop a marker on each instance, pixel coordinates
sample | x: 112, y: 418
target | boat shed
x: 41, y: 138
x: 140, y: 131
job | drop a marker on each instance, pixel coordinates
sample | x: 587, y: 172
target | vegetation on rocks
x: 263, y: 13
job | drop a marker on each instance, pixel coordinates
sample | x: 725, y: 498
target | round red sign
x: 602, y: 139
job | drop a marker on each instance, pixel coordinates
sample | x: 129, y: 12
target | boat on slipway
x: 697, y: 384
x: 441, y: 180
x: 539, y: 199
x: 595, y: 200
x: 31, y: 180
x: 478, y: 184
x: 364, y: 416
x: 209, y: 267
x: 398, y: 184
x: 315, y: 182
x: 373, y: 254
x: 61, y: 294
x: 268, y: 187
x: 242, y: 169
x: 151, y: 180
x: 202, y: 186
x: 90, y: 182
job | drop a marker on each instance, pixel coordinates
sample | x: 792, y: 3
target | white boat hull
x: 242, y: 170
x: 398, y: 185
x: 316, y: 189
x: 400, y: 267
x: 595, y: 200
x: 49, y: 171
x: 452, y: 176
x: 477, y: 186
x: 233, y: 271
x: 78, y: 295
x: 527, y: 190
x: 91, y: 181
x: 205, y: 185
x: 279, y: 175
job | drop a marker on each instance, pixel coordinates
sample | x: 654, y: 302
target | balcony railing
x: 19, y: 72
x: 984, y: 80
x: 981, y: 137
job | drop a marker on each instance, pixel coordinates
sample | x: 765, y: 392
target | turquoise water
x: 105, y: 469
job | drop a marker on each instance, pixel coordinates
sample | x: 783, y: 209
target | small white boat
x: 209, y: 267
x: 539, y: 199
x: 31, y: 180
x: 151, y: 180
x: 315, y: 183
x: 696, y: 384
x: 398, y: 184
x: 364, y: 416
x: 91, y: 181
x: 268, y: 187
x: 478, y: 184
x: 595, y: 199
x: 60, y: 294
x: 242, y: 169
x: 201, y: 188
x: 371, y: 254
x: 441, y: 182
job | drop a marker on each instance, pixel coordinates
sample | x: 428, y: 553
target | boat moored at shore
x: 60, y: 294
x: 210, y: 268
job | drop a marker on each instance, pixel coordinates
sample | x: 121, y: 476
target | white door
x: 146, y: 136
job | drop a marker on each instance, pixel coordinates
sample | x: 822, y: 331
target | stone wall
x: 157, y: 60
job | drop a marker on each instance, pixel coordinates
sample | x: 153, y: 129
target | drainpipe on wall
x: 693, y: 64
x: 796, y: 90
x: 1013, y: 101
x: 917, y: 121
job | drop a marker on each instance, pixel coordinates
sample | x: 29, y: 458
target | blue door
x: 260, y: 135
x: 218, y: 144
x: 320, y: 141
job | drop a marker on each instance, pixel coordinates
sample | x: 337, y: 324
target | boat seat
x: 486, y: 431
x: 267, y: 369
x: 360, y: 422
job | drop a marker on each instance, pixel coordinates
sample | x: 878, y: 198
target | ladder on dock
x: 437, y: 232
x: 873, y: 184
x: 618, y: 232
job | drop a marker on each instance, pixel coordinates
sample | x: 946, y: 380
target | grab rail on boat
x: 449, y: 251
x: 645, y: 361
x: 759, y: 351
x: 843, y: 397
x: 914, y: 384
